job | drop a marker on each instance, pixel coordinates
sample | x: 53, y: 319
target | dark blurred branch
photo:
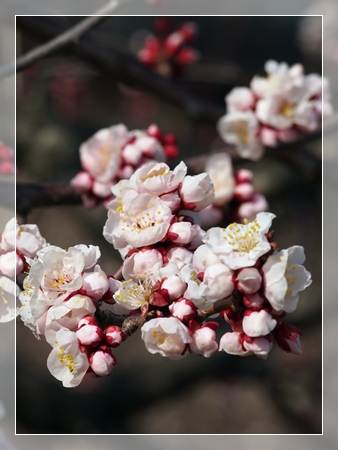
x: 29, y: 196
x: 123, y: 68
x: 62, y: 40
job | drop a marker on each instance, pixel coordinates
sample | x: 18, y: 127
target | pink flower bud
x: 87, y: 320
x: 102, y: 361
x: 102, y: 188
x: 183, y: 309
x: 249, y: 280
x: 244, y: 176
x: 90, y: 335
x: 204, y: 342
x: 113, y: 336
x: 95, y: 283
x: 175, y: 286
x: 260, y: 346
x: 172, y: 200
x: 132, y: 154
x: 258, y: 323
x: 181, y: 232
x: 197, y: 192
x: 243, y: 191
x: 287, y: 337
x: 82, y: 182
x: 253, y: 301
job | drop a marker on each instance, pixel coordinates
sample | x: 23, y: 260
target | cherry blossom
x: 280, y: 107
x: 166, y: 336
x: 285, y: 277
x: 240, y: 245
x: 9, y: 291
x: 66, y: 362
x: 136, y: 220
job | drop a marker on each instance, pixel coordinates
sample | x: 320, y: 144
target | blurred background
x: 61, y: 102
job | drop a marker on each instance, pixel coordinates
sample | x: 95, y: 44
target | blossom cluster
x: 233, y: 189
x: 16, y: 244
x: 174, y: 277
x: 59, y: 301
x: 113, y: 154
x: 170, y: 267
x: 277, y: 108
x: 169, y: 53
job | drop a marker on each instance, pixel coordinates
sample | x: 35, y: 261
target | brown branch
x: 130, y: 324
x: 29, y: 196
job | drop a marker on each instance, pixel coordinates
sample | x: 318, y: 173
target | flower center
x: 156, y: 173
x: 66, y: 360
x: 243, y: 237
x: 241, y: 129
x: 287, y: 110
x: 141, y: 220
x: 290, y: 277
x: 135, y: 295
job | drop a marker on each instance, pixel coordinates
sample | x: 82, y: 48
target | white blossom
x: 240, y: 245
x: 9, y: 292
x: 285, y: 277
x: 101, y: 154
x: 66, y: 362
x: 136, y: 220
x: 166, y: 336
x: 240, y: 129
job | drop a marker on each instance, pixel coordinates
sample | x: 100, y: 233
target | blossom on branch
x: 280, y: 107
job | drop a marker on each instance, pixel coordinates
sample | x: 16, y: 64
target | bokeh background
x: 63, y: 101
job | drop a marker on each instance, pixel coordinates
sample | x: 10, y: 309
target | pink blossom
x: 183, y: 309
x: 136, y: 220
x: 219, y: 168
x: 249, y: 280
x: 114, y: 336
x: 197, y: 192
x: 204, y: 341
x: 66, y: 362
x: 240, y: 245
x: 166, y: 336
x: 240, y: 99
x: 258, y: 323
x: 90, y: 334
x: 217, y: 282
x: 95, y: 284
x: 102, y: 361
x: 100, y: 155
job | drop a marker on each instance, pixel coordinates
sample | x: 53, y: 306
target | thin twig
x: 130, y: 324
x: 60, y: 41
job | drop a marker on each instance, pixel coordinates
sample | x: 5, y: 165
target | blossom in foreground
x: 155, y: 206
x: 240, y: 245
x: 280, y: 107
x: 173, y: 281
x: 166, y: 336
x: 66, y: 362
x: 285, y: 277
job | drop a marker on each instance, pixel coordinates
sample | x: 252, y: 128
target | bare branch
x: 29, y: 196
x: 62, y: 40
